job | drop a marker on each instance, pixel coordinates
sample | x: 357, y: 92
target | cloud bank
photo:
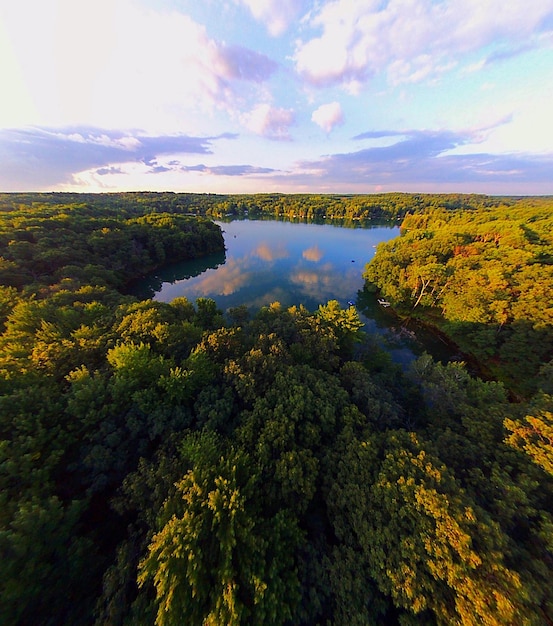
x: 138, y: 94
x: 422, y: 157
x: 413, y: 40
x: 110, y: 64
x: 44, y: 157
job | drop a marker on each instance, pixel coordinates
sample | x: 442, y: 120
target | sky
x: 292, y: 96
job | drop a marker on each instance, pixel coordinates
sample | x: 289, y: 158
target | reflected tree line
x: 168, y: 463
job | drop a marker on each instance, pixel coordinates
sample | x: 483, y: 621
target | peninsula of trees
x: 171, y: 463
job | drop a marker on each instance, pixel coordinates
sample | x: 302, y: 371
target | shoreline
x: 475, y: 367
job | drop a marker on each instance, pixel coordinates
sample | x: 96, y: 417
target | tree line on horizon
x: 344, y: 207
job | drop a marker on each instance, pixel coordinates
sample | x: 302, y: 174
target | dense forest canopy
x: 170, y: 463
x: 329, y: 206
x: 485, y: 277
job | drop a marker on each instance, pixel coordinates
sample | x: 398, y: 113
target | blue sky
x: 243, y: 96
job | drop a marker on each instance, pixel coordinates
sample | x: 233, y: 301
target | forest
x: 173, y: 463
x: 485, y: 278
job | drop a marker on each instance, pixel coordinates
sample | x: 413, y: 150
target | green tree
x: 46, y: 569
x: 534, y: 435
x: 345, y: 323
x: 216, y: 559
x: 426, y: 544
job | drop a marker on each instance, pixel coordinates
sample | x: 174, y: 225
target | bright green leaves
x: 216, y: 559
x: 136, y: 362
x: 144, y: 321
x: 345, y: 322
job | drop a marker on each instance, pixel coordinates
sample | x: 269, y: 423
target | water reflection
x: 295, y: 263
x: 314, y: 254
x: 153, y: 283
x: 405, y: 341
x: 267, y: 253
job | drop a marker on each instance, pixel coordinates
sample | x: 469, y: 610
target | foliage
x: 534, y: 435
x: 165, y: 463
x: 217, y: 559
x: 483, y: 276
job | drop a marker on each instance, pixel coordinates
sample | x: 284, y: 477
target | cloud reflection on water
x: 314, y: 254
x: 325, y: 283
x: 229, y: 279
x: 268, y: 261
x: 270, y: 253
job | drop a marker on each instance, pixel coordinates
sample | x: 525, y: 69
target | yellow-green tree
x: 426, y: 544
x: 216, y: 560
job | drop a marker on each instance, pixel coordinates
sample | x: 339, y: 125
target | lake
x: 294, y: 263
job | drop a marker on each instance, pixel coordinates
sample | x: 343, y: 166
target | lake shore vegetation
x: 484, y: 277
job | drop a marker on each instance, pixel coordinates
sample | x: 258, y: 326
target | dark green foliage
x: 103, y: 240
x: 161, y: 464
x: 47, y: 570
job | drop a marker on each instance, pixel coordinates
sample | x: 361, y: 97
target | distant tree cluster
x: 343, y: 208
x: 168, y: 463
x: 347, y: 209
x: 43, y: 244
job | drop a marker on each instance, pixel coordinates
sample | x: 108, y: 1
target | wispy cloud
x: 276, y: 15
x: 411, y: 41
x: 43, y: 157
x: 270, y: 122
x: 107, y: 171
x: 228, y: 170
x: 239, y: 63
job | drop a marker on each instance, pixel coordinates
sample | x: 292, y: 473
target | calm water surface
x: 293, y: 263
x: 268, y: 261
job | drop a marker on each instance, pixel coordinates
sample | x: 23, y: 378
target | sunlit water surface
x: 294, y: 263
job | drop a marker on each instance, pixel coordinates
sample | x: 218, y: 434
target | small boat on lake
x: 383, y: 303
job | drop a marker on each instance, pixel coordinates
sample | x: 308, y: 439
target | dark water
x: 294, y: 263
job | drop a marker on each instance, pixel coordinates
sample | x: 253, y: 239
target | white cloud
x: 268, y: 121
x: 413, y: 40
x: 115, y: 64
x: 277, y: 15
x: 327, y: 116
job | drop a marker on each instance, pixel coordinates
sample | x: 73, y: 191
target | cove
x: 294, y: 263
